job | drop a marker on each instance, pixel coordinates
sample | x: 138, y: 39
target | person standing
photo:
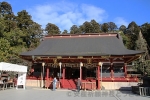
x: 31, y: 71
x: 54, y: 83
x: 78, y: 84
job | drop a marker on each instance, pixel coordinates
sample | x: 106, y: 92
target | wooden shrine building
x: 94, y: 58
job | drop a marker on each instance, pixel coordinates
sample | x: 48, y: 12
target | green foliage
x: 10, y: 22
x: 95, y: 26
x: 142, y: 66
x: 90, y: 27
x: 145, y: 29
x: 122, y: 28
x: 2, y: 27
x: 15, y: 37
x: 74, y: 30
x: 23, y: 20
x: 34, y: 34
x: 17, y: 33
x: 5, y: 8
x: 32, y: 31
x: 112, y: 26
x: 132, y: 33
x: 104, y: 27
x: 5, y: 49
x: 87, y: 27
x: 143, y: 63
x: 52, y: 29
x: 133, y: 28
x: 65, y: 32
x: 147, y: 67
x: 125, y: 39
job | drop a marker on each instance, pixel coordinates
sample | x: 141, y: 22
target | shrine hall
x: 99, y: 59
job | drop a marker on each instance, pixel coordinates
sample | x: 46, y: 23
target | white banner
x: 21, y: 79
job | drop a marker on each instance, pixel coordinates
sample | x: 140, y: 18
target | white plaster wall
x: 118, y: 85
x: 106, y: 85
x: 34, y: 83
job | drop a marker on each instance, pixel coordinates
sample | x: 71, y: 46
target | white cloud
x: 120, y: 21
x: 92, y: 12
x: 64, y: 15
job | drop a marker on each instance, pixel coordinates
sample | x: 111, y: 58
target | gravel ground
x: 31, y: 93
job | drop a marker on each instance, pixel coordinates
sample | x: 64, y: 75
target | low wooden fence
x: 88, y: 85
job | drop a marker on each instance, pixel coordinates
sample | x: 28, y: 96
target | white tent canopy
x: 12, y: 67
x: 22, y: 70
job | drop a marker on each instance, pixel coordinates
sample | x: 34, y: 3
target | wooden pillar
x: 63, y: 75
x: 98, y: 77
x: 125, y: 69
x: 112, y: 71
x: 47, y: 76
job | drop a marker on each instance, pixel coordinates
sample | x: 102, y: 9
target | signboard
x: 21, y: 79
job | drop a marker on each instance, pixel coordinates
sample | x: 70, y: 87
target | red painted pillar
x: 63, y: 75
x: 112, y: 71
x: 47, y: 76
x: 98, y: 77
x: 125, y: 69
x: 81, y: 73
x: 47, y: 73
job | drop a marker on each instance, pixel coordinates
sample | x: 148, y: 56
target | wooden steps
x: 68, y: 84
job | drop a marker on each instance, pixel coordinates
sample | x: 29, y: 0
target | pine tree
x: 143, y: 64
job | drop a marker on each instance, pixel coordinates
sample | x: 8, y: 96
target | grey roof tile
x: 81, y: 46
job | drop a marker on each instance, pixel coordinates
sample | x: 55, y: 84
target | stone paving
x: 31, y: 93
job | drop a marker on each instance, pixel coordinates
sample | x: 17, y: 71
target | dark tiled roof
x: 81, y: 45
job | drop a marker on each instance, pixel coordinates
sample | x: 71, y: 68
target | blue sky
x: 65, y: 13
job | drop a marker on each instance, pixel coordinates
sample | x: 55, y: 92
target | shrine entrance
x: 74, y: 73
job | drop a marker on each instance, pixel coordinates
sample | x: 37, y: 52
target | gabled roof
x: 81, y: 45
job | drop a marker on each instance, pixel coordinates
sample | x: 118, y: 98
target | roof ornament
x: 80, y: 57
x: 106, y: 57
x: 55, y: 61
x: 89, y: 61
